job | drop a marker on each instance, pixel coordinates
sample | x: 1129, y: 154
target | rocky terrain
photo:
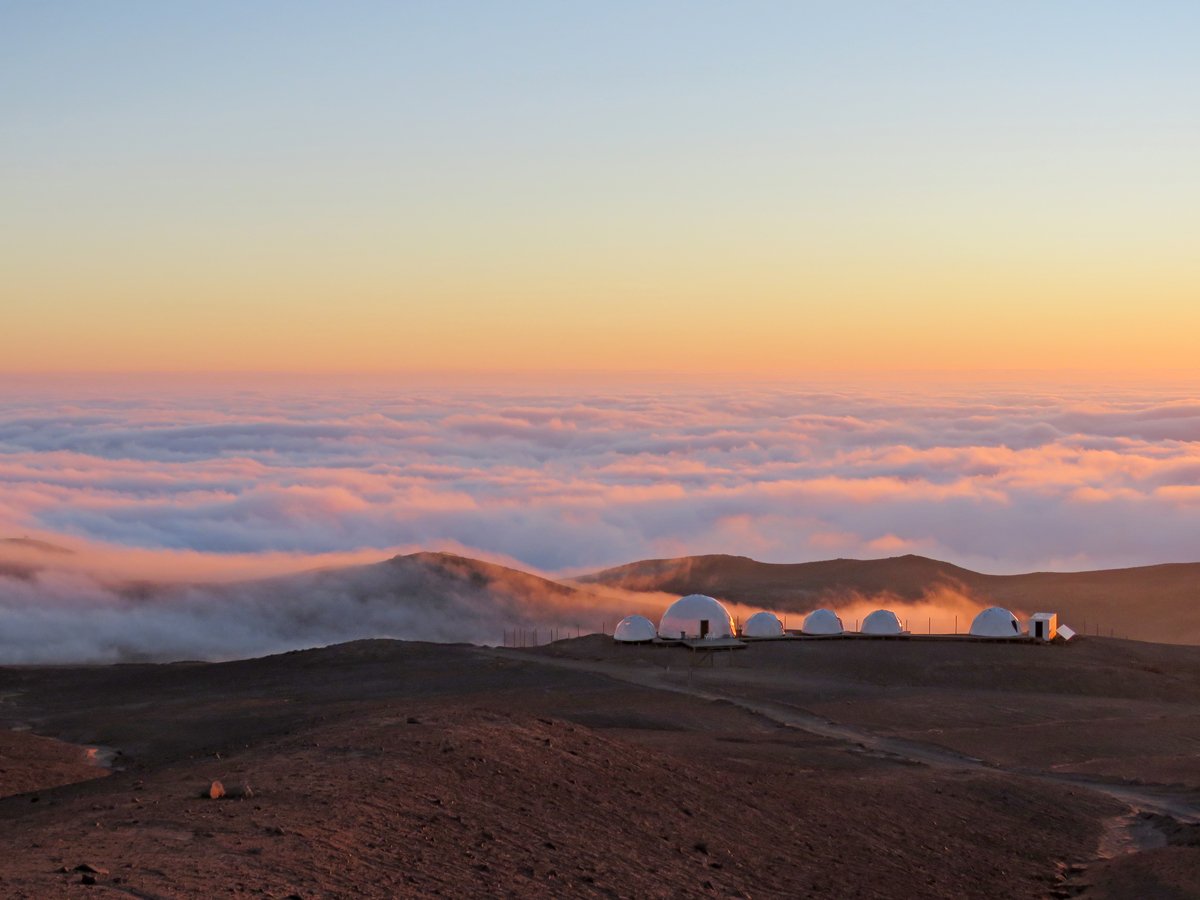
x: 381, y: 768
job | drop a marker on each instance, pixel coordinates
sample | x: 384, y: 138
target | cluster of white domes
x: 698, y: 616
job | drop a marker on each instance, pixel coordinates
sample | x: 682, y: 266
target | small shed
x: 1043, y: 626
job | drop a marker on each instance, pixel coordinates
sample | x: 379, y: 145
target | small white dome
x: 634, y: 630
x: 694, y: 616
x: 822, y: 621
x: 996, y: 621
x: 762, y: 625
x: 882, y: 621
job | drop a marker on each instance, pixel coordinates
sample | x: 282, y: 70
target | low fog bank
x: 69, y: 616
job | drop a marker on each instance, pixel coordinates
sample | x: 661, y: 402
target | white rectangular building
x: 1043, y: 626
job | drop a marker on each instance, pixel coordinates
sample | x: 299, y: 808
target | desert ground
x: 804, y: 768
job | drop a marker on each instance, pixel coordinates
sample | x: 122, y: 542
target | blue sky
x: 509, y: 162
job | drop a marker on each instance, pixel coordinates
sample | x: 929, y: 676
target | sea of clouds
x: 227, y: 480
x: 1004, y: 479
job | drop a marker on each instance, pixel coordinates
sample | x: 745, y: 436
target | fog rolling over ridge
x: 56, y: 615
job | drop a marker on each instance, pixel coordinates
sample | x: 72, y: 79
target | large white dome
x: 763, y: 625
x: 634, y: 630
x: 882, y: 621
x: 996, y: 621
x: 694, y: 616
x: 822, y: 621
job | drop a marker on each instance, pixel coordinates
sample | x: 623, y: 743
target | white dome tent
x: 763, y: 625
x: 634, y: 630
x: 996, y: 621
x: 882, y: 621
x: 696, y: 616
x: 822, y: 621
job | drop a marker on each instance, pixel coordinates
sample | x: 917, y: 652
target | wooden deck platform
x: 740, y: 643
x: 715, y: 644
x: 909, y: 636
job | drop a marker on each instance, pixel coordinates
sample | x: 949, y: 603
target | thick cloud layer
x: 1002, y: 479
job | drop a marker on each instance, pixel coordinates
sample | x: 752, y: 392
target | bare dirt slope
x: 1154, y: 603
x: 395, y: 769
x: 29, y: 762
x: 1120, y: 718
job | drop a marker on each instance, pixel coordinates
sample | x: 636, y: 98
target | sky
x: 760, y: 190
